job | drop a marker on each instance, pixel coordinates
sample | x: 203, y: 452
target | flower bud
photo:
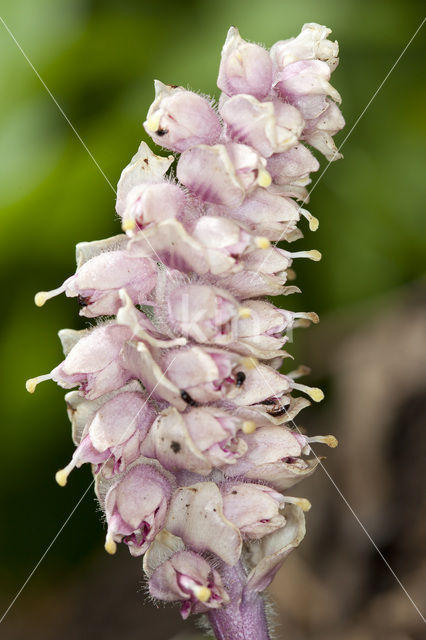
x: 310, y: 44
x: 179, y: 119
x: 244, y: 68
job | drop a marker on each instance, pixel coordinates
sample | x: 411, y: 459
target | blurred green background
x: 99, y: 59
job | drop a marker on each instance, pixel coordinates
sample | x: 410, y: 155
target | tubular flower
x: 178, y: 402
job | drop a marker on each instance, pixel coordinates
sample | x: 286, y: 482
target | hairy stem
x: 244, y: 618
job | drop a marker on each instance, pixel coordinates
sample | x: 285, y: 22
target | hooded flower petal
x: 94, y: 363
x: 186, y: 576
x: 253, y: 508
x: 148, y: 203
x: 319, y: 131
x: 97, y: 282
x: 196, y: 516
x: 273, y: 456
x: 145, y: 166
x: 244, y: 68
x: 305, y: 84
x: 136, y: 508
x: 267, y: 126
x: 267, y: 556
x: 113, y: 435
x: 205, y: 374
x: 311, y: 44
x: 222, y: 174
x: 198, y: 440
x: 203, y: 313
x: 178, y: 119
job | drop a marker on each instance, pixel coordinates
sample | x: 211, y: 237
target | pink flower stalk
x: 180, y: 406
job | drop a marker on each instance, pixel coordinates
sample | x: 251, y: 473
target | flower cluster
x: 181, y: 409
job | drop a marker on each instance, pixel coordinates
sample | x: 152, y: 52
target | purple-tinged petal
x: 178, y: 119
x: 267, y: 556
x: 151, y: 203
x: 319, y: 132
x: 292, y: 166
x: 268, y: 127
x: 196, y: 516
x: 253, y: 508
x: 222, y: 174
x: 203, y: 313
x: 136, y: 508
x: 110, y: 434
x: 188, y: 577
x: 244, y: 68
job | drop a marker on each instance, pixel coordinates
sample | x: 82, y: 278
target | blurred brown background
x: 99, y: 59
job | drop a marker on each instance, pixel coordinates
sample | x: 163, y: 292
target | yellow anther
x: 40, y: 298
x: 244, y: 312
x: 110, y: 546
x: 313, y: 223
x: 203, y: 594
x: 250, y: 362
x: 249, y: 426
x: 316, y: 394
x: 304, y: 504
x: 129, y: 224
x: 31, y: 384
x: 153, y: 123
x: 330, y: 441
x: 315, y: 255
x: 262, y: 242
x: 264, y: 178
x: 61, y: 477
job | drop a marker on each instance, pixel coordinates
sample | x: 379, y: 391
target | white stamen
x: 303, y: 503
x: 301, y: 371
x: 31, y: 383
x: 313, y: 254
x: 313, y: 222
x: 61, y: 476
x: 41, y: 297
x: 330, y: 441
x: 313, y: 392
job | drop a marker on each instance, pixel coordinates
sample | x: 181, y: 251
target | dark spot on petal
x: 187, y: 398
x: 161, y: 132
x: 175, y: 447
x: 240, y: 377
x: 234, y: 493
x: 279, y: 411
x: 82, y: 301
x: 145, y: 160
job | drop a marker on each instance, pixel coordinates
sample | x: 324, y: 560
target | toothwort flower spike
x: 179, y: 404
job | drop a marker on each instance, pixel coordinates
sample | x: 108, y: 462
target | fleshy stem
x: 244, y: 618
